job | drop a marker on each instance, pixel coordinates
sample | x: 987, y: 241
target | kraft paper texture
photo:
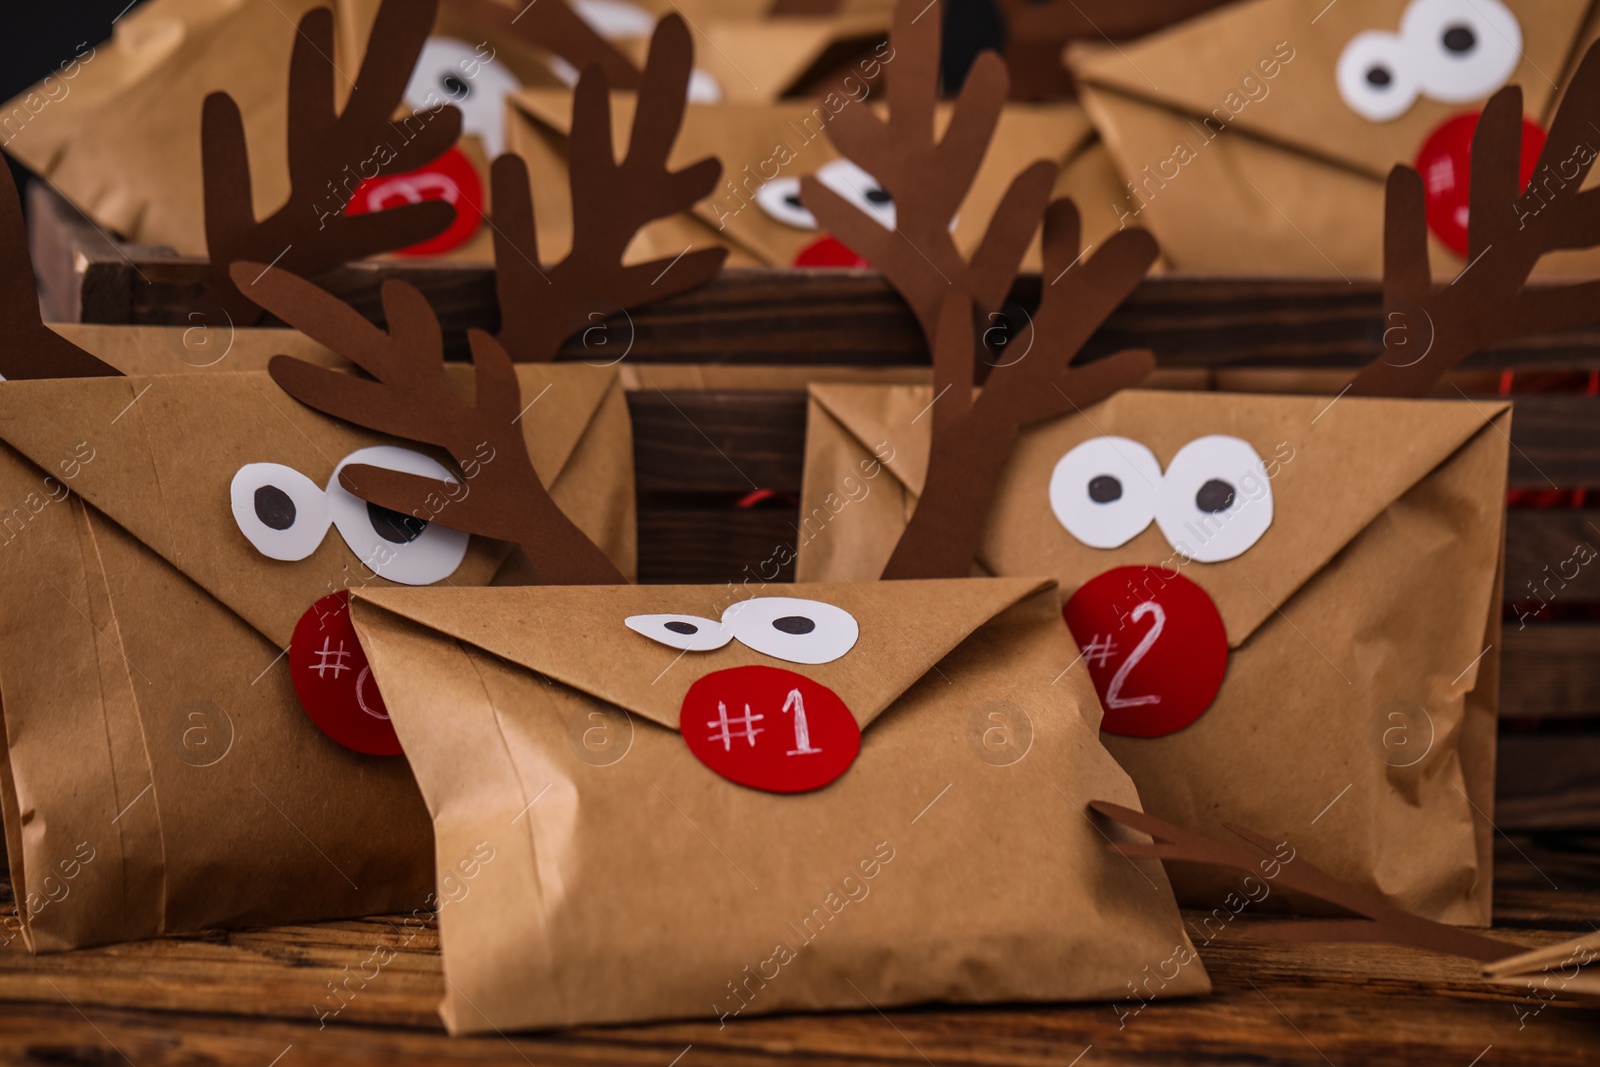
x: 627, y: 881
x: 1375, y: 592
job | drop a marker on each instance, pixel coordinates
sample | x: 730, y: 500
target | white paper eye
x: 615, y: 20
x: 401, y: 548
x: 280, y: 511
x: 860, y: 189
x: 453, y: 72
x: 1216, y: 499
x: 793, y: 629
x: 1378, y: 75
x: 780, y: 198
x: 1105, y: 490
x: 1463, y: 49
x: 690, y: 633
x: 704, y: 88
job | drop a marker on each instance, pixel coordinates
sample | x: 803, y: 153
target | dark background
x: 32, y: 47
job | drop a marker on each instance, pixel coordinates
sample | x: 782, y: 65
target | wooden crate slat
x: 1550, y: 671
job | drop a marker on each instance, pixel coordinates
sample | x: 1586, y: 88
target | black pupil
x: 1103, y: 489
x: 1379, y: 76
x: 1216, y: 495
x: 876, y: 195
x: 394, y: 527
x: 794, y: 624
x: 274, y: 508
x: 1459, y: 39
x: 679, y: 627
x: 456, y: 87
x: 793, y: 200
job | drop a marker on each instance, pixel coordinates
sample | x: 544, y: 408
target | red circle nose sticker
x: 829, y: 252
x: 769, y: 729
x: 451, y: 178
x: 333, y: 681
x: 1445, y: 163
x: 1154, y: 645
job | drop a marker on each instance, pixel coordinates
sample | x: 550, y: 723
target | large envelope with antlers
x: 1256, y: 138
x: 877, y: 797
x: 164, y: 542
x: 1289, y: 606
x: 767, y: 148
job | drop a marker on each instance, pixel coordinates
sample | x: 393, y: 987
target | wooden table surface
x: 254, y: 997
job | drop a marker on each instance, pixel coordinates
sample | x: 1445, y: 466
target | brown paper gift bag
x: 766, y: 148
x: 1356, y: 716
x: 598, y: 872
x: 150, y: 718
x: 1243, y: 154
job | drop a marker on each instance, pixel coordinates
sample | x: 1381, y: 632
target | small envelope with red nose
x: 160, y: 540
x: 766, y: 148
x: 624, y: 803
x: 1256, y: 139
x: 1289, y: 606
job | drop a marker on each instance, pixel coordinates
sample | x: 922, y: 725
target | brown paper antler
x: 928, y: 177
x: 1379, y: 922
x: 30, y: 348
x: 554, y: 27
x: 411, y: 398
x: 1429, y: 329
x: 541, y: 307
x: 311, y: 232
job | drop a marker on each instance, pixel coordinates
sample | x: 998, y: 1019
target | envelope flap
x: 1269, y: 68
x: 1333, y: 466
x: 884, y: 414
x: 577, y: 635
x: 780, y: 51
x: 165, y: 450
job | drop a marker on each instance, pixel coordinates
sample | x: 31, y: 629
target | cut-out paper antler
x: 1378, y: 922
x: 311, y: 232
x: 928, y: 177
x: 973, y: 431
x: 553, y: 26
x: 410, y: 398
x: 30, y: 348
x: 541, y: 307
x: 1429, y: 329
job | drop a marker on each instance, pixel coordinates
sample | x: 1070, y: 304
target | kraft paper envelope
x: 150, y: 717
x: 759, y: 61
x: 763, y: 145
x: 1359, y: 634
x: 602, y: 873
x: 1243, y: 155
x: 118, y: 132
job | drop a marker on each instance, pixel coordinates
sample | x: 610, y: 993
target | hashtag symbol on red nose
x: 1097, y: 653
x: 330, y: 660
x: 720, y: 727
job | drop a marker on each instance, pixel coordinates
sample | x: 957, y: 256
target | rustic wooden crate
x: 1236, y: 334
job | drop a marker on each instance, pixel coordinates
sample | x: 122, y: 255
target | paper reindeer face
x: 1451, y: 53
x: 812, y: 737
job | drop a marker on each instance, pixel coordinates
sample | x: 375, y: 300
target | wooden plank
x: 1550, y: 671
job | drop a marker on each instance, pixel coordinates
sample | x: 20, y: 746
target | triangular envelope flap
x: 1333, y: 466
x: 892, y: 415
x: 576, y: 635
x: 165, y: 449
x: 1216, y: 65
x: 778, y: 52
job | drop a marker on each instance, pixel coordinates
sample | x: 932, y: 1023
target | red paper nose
x: 451, y: 178
x: 1155, y: 647
x: 769, y: 729
x: 1445, y: 163
x: 828, y: 252
x: 334, y: 683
